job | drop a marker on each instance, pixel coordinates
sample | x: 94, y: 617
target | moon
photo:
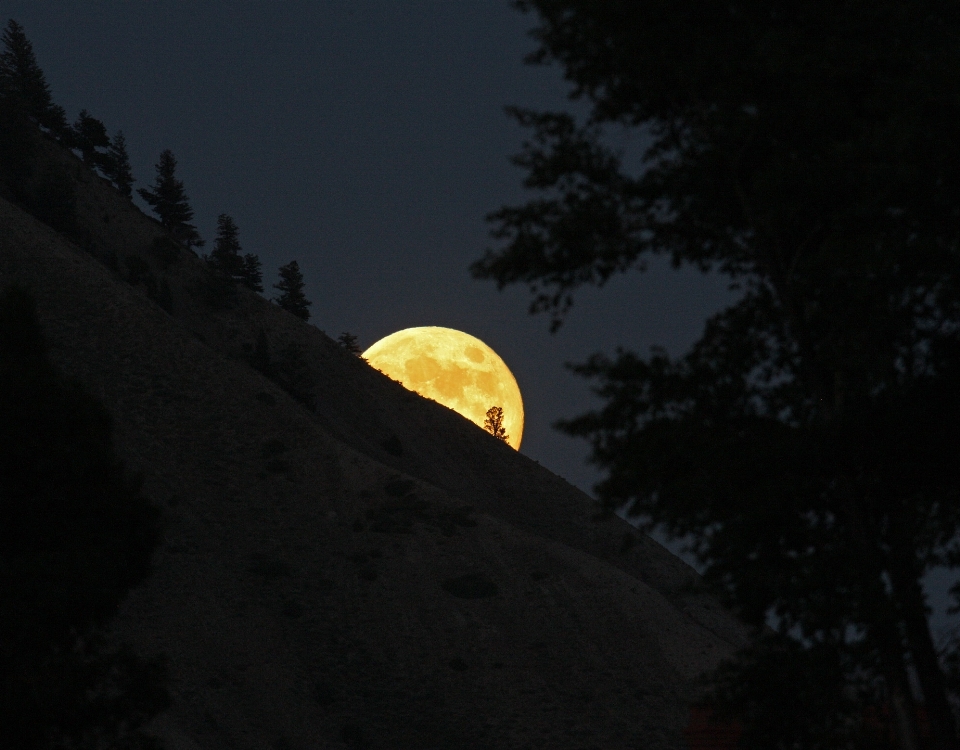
x: 454, y: 368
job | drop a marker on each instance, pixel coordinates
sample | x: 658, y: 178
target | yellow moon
x: 454, y: 368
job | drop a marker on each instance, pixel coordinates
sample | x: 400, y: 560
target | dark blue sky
x: 367, y: 140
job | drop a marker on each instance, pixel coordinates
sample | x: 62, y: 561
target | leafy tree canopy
x: 806, y: 151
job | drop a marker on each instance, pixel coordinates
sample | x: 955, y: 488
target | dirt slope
x: 369, y: 571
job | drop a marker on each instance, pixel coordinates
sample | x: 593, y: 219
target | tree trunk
x: 909, y: 596
x: 905, y: 723
x: 886, y: 631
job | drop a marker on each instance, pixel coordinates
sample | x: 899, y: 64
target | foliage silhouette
x: 292, y: 298
x: 90, y: 134
x: 169, y: 201
x: 251, y: 274
x: 18, y: 146
x: 76, y: 535
x: 21, y: 76
x: 349, y: 342
x: 225, y: 257
x: 494, y: 423
x: 804, y: 441
x: 117, y: 165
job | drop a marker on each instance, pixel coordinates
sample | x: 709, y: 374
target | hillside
x: 347, y: 564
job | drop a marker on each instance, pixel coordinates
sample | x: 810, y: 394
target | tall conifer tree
x: 226, y: 256
x: 169, y: 201
x: 90, y: 134
x: 349, y: 342
x: 18, y: 145
x: 21, y: 75
x: 291, y: 286
x: 118, y: 165
x: 252, y: 273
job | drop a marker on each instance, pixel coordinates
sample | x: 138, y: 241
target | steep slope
x: 366, y: 410
x: 372, y: 572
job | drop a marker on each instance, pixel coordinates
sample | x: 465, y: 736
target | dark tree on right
x: 169, y: 201
x: 807, y: 441
x: 292, y: 299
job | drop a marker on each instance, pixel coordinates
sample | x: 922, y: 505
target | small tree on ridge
x: 117, y: 167
x: 494, y: 423
x: 349, y: 342
x: 169, y: 201
x: 292, y: 298
x: 251, y: 275
x: 90, y: 134
x: 226, y: 248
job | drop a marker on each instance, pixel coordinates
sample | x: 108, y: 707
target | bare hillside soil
x: 345, y: 563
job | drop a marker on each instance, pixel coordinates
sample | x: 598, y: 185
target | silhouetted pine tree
x: 349, y: 342
x: 118, y: 165
x: 169, y: 202
x: 89, y: 134
x: 17, y: 142
x: 291, y: 286
x: 225, y: 257
x: 251, y: 275
x: 22, y: 77
x: 76, y: 535
x: 494, y: 423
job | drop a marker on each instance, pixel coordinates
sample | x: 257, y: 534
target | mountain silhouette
x: 346, y: 564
